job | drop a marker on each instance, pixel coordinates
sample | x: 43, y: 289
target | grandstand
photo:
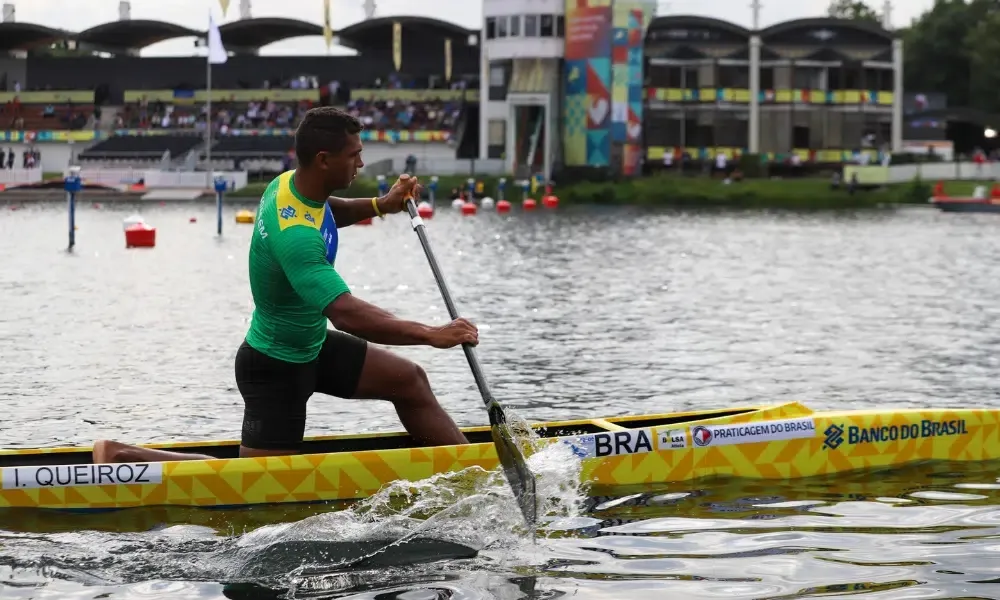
x: 128, y: 111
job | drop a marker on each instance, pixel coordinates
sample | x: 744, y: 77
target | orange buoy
x: 140, y: 235
x: 425, y: 210
x: 529, y: 204
x: 550, y: 201
x: 469, y: 208
x: 503, y: 206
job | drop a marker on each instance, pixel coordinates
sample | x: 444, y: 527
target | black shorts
x: 275, y: 392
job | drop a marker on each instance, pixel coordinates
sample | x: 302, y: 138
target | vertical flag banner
x: 587, y: 70
x: 447, y: 59
x: 216, y: 51
x: 630, y: 20
x: 225, y: 6
x: 397, y: 44
x: 327, y: 29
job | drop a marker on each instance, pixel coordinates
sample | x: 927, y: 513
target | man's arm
x: 302, y: 256
x: 367, y: 321
x: 348, y: 211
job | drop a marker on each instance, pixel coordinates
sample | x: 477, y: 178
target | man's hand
x: 395, y: 200
x: 460, y: 331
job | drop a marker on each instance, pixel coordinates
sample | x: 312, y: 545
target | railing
x: 20, y: 176
x: 952, y: 171
x: 155, y: 178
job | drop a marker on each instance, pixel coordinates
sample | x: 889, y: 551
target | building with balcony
x: 822, y: 89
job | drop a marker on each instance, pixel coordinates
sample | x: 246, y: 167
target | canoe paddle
x: 521, y: 481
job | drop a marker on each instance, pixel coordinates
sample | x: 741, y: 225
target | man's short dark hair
x: 323, y: 129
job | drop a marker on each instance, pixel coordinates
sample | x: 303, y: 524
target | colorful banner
x: 626, y: 89
x: 367, y: 135
x: 782, y: 96
x: 469, y: 95
x: 76, y: 97
x: 192, y: 96
x: 587, y: 105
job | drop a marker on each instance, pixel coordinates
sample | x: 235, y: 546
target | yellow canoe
x: 787, y: 441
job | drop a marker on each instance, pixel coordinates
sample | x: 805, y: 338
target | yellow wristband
x: 378, y: 213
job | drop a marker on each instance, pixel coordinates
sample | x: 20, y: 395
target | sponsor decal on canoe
x: 612, y: 443
x: 838, y: 435
x: 81, y: 475
x: 672, y: 439
x: 752, y: 433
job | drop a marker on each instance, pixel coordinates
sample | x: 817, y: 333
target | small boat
x: 979, y: 202
x: 779, y: 442
x: 967, y: 204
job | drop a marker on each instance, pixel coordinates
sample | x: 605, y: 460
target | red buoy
x: 193, y: 220
x: 529, y: 204
x: 425, y: 210
x: 367, y: 221
x: 503, y: 206
x: 550, y: 201
x: 469, y: 208
x: 140, y: 235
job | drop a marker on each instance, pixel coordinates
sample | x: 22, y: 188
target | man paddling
x: 288, y: 353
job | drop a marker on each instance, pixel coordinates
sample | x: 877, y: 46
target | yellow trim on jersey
x: 290, y: 210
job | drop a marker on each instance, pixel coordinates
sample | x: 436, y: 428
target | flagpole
x: 208, y: 107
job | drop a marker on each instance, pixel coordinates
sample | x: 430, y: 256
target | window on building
x: 502, y: 27
x: 515, y: 26
x: 491, y: 28
x: 547, y: 26
x: 560, y: 26
x: 767, y: 78
x: 530, y: 25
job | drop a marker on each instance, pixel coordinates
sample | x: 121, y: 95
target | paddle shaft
x: 469, y: 349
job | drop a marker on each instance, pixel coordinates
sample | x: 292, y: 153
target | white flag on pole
x: 216, y: 51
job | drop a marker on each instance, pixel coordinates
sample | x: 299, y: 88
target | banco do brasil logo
x: 834, y: 437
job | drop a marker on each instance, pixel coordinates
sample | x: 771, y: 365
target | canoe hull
x: 779, y: 442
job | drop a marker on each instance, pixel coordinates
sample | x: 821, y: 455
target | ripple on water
x: 589, y: 312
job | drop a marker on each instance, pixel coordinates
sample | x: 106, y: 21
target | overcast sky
x: 76, y: 15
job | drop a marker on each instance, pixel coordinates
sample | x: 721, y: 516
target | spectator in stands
x: 414, y: 116
x: 10, y: 158
x: 262, y: 114
x: 3, y: 159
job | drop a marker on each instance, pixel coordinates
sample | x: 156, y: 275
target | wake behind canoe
x: 787, y: 441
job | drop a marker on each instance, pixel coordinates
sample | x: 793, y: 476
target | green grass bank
x: 681, y: 191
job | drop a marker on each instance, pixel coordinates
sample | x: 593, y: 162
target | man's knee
x: 414, y: 384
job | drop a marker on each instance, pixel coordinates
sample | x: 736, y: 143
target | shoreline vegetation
x: 682, y: 191
x: 807, y: 193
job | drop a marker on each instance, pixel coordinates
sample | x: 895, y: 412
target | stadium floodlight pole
x: 208, y: 121
x: 216, y: 55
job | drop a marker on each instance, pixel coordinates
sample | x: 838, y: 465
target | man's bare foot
x: 107, y: 451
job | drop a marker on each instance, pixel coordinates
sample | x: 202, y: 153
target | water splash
x: 449, y: 515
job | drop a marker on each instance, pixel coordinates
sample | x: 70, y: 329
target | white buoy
x: 132, y: 220
x: 980, y: 193
x: 486, y: 202
x: 457, y: 203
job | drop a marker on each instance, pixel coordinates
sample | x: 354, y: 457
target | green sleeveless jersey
x: 292, y: 279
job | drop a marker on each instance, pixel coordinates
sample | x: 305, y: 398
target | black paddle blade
x: 521, y: 480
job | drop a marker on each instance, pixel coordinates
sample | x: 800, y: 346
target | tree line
x: 953, y: 49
